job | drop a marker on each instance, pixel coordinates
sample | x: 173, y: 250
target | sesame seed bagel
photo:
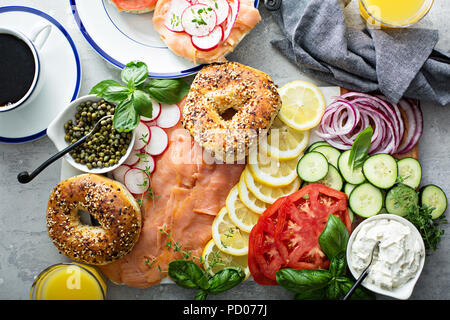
x: 219, y: 88
x: 106, y: 200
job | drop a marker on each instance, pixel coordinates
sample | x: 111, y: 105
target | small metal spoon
x: 25, y: 177
x: 363, y: 275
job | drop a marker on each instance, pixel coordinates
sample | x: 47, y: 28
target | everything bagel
x: 219, y: 88
x: 109, y: 202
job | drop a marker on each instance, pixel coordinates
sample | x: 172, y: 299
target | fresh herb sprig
x: 318, y: 284
x: 134, y: 97
x: 360, y: 148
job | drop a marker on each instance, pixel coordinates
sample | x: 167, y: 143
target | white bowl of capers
x: 105, y: 150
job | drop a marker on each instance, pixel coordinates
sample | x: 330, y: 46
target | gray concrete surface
x: 25, y: 248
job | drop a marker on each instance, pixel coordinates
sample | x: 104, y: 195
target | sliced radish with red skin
x: 136, y: 181
x: 210, y: 41
x: 173, y: 17
x: 119, y: 173
x: 159, y: 142
x: 231, y: 19
x: 155, y: 112
x: 170, y: 116
x: 222, y: 8
x: 133, y: 158
x: 142, y: 136
x: 146, y: 163
x: 195, y: 13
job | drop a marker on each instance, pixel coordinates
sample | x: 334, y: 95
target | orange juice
x: 69, y: 282
x: 394, y: 13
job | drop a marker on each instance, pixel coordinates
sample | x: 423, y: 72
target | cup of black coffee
x: 19, y: 65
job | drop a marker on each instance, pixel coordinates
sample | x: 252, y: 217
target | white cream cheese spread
x: 397, y: 259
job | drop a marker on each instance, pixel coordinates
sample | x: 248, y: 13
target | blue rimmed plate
x: 59, y: 79
x: 121, y: 37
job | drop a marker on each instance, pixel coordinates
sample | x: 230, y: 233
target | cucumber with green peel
x: 312, y: 167
x: 433, y: 197
x: 348, y: 188
x: 332, y: 154
x: 366, y: 200
x: 317, y: 144
x: 400, y: 199
x: 381, y: 170
x: 351, y: 215
x: 409, y: 172
x: 353, y: 176
x: 332, y: 180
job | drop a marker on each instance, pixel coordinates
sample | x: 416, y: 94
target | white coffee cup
x: 35, y: 41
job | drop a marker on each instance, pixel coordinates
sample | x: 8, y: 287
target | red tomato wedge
x: 287, y: 233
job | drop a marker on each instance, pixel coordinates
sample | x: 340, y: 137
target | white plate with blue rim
x: 121, y: 37
x: 59, y: 78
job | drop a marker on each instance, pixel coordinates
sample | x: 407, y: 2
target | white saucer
x: 121, y: 37
x: 59, y: 79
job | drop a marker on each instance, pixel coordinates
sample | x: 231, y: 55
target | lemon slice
x: 303, y: 105
x: 241, y: 215
x: 271, y: 171
x: 266, y: 193
x: 227, y: 236
x: 283, y: 142
x: 249, y: 199
x: 215, y: 260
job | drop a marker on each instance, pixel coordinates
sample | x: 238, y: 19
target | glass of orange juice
x: 69, y: 281
x: 394, y: 13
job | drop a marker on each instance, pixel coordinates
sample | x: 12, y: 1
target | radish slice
x: 209, y: 42
x: 199, y: 20
x: 159, y: 142
x: 231, y: 19
x: 222, y: 8
x: 143, y: 134
x: 170, y: 116
x: 155, y: 112
x: 133, y: 158
x: 119, y: 173
x: 173, y: 17
x: 147, y: 163
x: 136, y: 181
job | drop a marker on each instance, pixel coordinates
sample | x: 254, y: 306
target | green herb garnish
x: 360, y: 148
x: 134, y: 98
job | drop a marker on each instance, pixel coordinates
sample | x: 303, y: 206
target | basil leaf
x: 226, y: 279
x: 135, y: 73
x: 125, y: 117
x: 338, y: 265
x: 142, y: 103
x: 300, y: 280
x: 334, y: 237
x: 360, y: 148
x: 110, y: 90
x: 169, y: 91
x: 316, y: 294
x: 360, y: 293
x: 188, y: 274
x: 201, y: 295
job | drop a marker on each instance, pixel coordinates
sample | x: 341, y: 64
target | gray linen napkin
x: 397, y: 62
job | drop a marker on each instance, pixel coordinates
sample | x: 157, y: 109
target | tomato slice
x: 287, y: 233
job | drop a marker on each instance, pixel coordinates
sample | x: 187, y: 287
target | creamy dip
x: 398, y: 257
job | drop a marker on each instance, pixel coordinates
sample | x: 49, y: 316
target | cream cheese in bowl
x: 397, y: 263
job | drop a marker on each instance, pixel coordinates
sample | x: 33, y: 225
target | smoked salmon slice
x: 189, y: 190
x: 135, y: 6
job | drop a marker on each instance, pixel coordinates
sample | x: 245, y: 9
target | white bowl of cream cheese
x: 397, y: 264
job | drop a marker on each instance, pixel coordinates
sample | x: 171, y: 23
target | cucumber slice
x: 410, y: 172
x: 354, y: 176
x: 351, y: 215
x: 433, y: 197
x: 312, y: 167
x: 400, y: 198
x: 366, y: 200
x: 332, y: 180
x: 317, y: 144
x: 332, y: 154
x: 348, y: 188
x: 381, y: 170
